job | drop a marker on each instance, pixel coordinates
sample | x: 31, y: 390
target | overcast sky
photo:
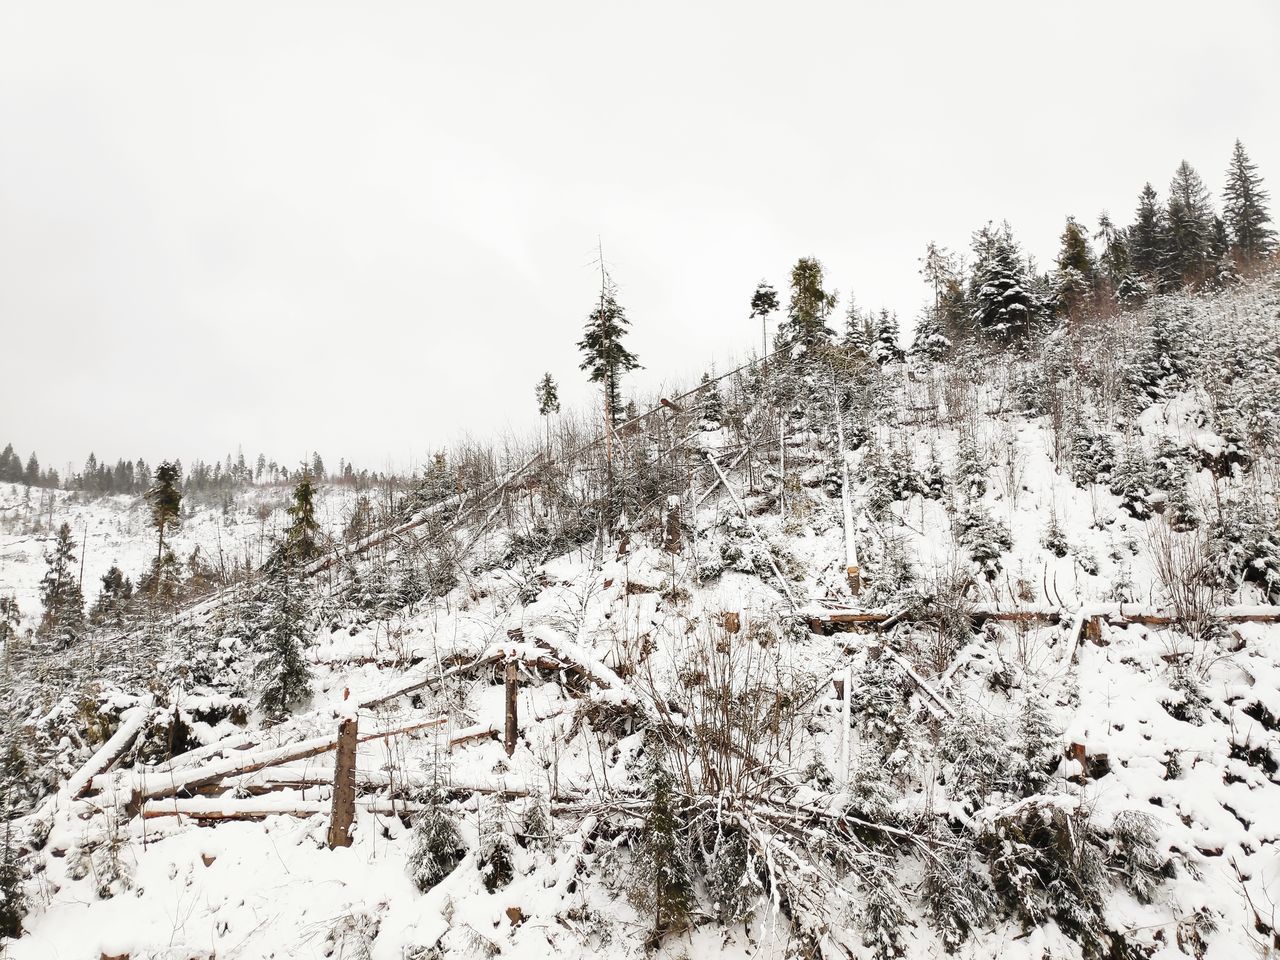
x: 367, y: 228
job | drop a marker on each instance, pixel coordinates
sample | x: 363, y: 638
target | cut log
x: 131, y: 723
x: 158, y: 786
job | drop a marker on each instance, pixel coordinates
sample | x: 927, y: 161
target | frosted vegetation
x: 853, y: 652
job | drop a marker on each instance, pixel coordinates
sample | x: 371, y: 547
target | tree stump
x: 512, y: 718
x: 344, y: 786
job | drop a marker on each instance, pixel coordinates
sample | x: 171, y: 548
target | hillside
x: 830, y: 657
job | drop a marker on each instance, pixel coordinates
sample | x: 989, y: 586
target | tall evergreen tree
x: 1190, y: 219
x: 810, y: 305
x: 63, y: 620
x: 301, y: 542
x: 1076, y: 275
x: 1004, y: 305
x: 281, y: 631
x: 548, y: 396
x: 603, y: 354
x: 1147, y: 236
x: 764, y: 303
x: 31, y: 476
x: 166, y: 502
x: 112, y: 606
x: 1244, y: 207
x: 10, y: 466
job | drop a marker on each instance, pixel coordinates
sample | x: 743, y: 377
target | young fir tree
x: 1190, y: 227
x: 166, y: 502
x: 603, y: 354
x: 710, y: 404
x: 1005, y: 308
x: 495, y: 853
x: 1147, y: 237
x: 281, y: 672
x: 764, y: 303
x: 301, y: 542
x: 115, y: 600
x: 436, y: 847
x: 10, y: 617
x: 13, y: 901
x: 1244, y: 207
x: 808, y: 309
x: 886, y: 348
x: 664, y: 881
x: 63, y: 620
x: 1076, y: 276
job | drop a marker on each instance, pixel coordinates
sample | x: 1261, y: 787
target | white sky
x: 367, y: 228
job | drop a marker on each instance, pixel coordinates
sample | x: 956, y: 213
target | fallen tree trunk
x: 131, y: 724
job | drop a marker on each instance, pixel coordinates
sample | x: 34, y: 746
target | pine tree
x: 764, y: 303
x: 807, y: 311
x: 1190, y: 220
x: 166, y: 502
x: 603, y: 354
x: 1244, y: 204
x: 63, y: 620
x: 301, y: 543
x: 282, y: 673
x: 1005, y: 307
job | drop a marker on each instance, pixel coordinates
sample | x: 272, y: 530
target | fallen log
x: 146, y: 786
x: 131, y: 723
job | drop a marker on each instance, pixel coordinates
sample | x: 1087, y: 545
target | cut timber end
x: 854, y: 574
x: 344, y: 786
x: 732, y: 622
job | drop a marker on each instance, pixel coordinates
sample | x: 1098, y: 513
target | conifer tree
x: 1147, y: 241
x: 437, y: 845
x: 301, y: 542
x: 1076, y: 275
x: 112, y: 606
x: 1244, y: 204
x: 13, y: 902
x: 63, y: 620
x: 603, y: 354
x: 166, y: 502
x: 10, y: 465
x: 31, y: 476
x: 10, y: 617
x: 1004, y: 306
x: 495, y: 851
x: 1190, y: 220
x: 886, y: 348
x: 548, y: 396
x: 807, y: 311
x: 664, y: 881
x: 764, y: 303
x: 281, y: 671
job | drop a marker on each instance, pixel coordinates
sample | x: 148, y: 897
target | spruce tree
x: 808, y: 309
x: 282, y: 629
x: 13, y: 902
x: 764, y: 303
x: 436, y: 847
x: 10, y: 465
x: 31, y: 476
x: 1190, y: 219
x: 1076, y: 275
x: 1005, y: 307
x: 166, y: 502
x: 114, y: 600
x: 664, y: 882
x: 1147, y: 240
x: 603, y: 354
x: 302, y: 537
x: 63, y: 620
x: 886, y: 348
x: 10, y: 617
x: 548, y: 397
x: 1244, y: 207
